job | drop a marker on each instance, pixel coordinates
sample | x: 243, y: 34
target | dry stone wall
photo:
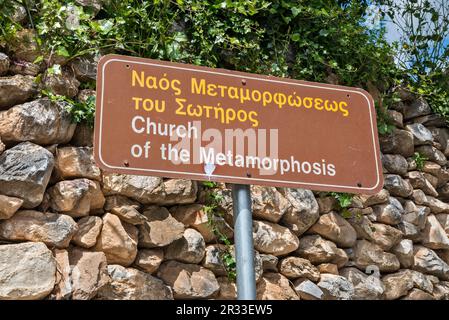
x: 70, y: 231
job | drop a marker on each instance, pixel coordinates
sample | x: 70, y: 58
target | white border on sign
x: 236, y: 76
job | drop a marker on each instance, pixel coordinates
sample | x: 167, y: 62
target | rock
x: 27, y: 271
x: 335, y: 228
x: 443, y: 219
x: 436, y: 170
x: 89, y: 229
x: 24, y: 68
x: 427, y: 261
x: 273, y: 239
x: 77, y: 197
x: 27, y: 225
x: 432, y: 154
x: 397, y: 284
x: 88, y: 273
x: 24, y: 173
x: 328, y: 268
x: 433, y: 235
x: 409, y: 231
x: 416, y: 215
x: 118, y: 240
x: 389, y: 213
x: 432, y: 180
x: 83, y: 135
x: 189, y: 249
x: 396, y: 118
x: 94, y: 5
x: 307, y: 290
x: 397, y: 186
x: 367, y: 254
x: 188, y: 281
x: 336, y: 287
x: 9, y: 206
x: 160, y: 230
x: 40, y: 121
x: 150, y: 190
x: 195, y: 216
x: 431, y: 120
x: 441, y: 290
x: 126, y: 209
x: 85, y: 68
x: 370, y: 200
x: 132, y: 284
x: 303, y: 212
x: 397, y: 142
x: 215, y: 254
x: 418, y: 107
x: 16, y: 89
x: 268, y: 203
x: 274, y: 286
x: 24, y: 45
x: 436, y: 206
x: 418, y: 181
x: 269, y: 262
x: 421, y: 135
x: 317, y: 250
x: 213, y: 261
x: 73, y: 162
x: 395, y: 164
x: 381, y: 234
x: 404, y: 252
x: 149, y: 260
x: 63, y: 83
x: 4, y: 63
x: 326, y: 204
x: 416, y: 294
x: 294, y: 267
x: 228, y: 289
x: 441, y: 137
x: 63, y: 283
x: 2, y: 146
x: 366, y: 287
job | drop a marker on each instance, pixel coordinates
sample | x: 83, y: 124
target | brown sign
x: 183, y: 121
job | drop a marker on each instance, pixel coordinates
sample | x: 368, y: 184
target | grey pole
x: 243, y: 239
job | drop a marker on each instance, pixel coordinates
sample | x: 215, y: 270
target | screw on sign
x: 183, y: 121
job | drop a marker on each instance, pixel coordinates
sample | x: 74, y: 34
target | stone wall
x: 70, y: 231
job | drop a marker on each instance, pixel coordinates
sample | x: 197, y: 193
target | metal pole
x: 243, y: 238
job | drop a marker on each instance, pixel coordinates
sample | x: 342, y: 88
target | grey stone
x: 27, y: 225
x: 428, y: 262
x: 16, y: 89
x: 132, y: 284
x: 421, y: 135
x: 307, y: 290
x: 24, y: 173
x: 336, y: 287
x: 150, y: 190
x: 366, y: 287
x: 27, y: 271
x: 189, y: 249
x: 432, y: 154
x: 398, y: 142
x: 40, y: 121
x: 303, y: 212
x: 418, y: 107
x: 397, y: 186
x: 395, y: 163
x: 367, y: 254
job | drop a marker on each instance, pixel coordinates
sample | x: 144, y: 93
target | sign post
x: 176, y: 120
x: 243, y: 241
